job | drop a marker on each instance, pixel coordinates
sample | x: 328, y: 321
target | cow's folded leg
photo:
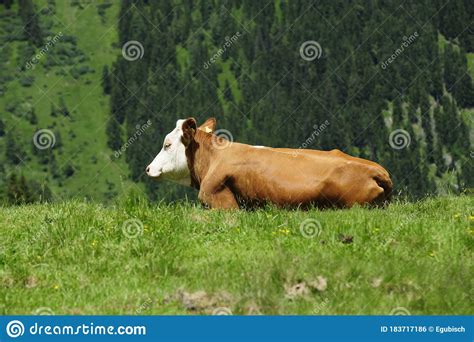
x: 220, y: 199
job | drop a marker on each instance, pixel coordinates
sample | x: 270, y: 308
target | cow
x: 234, y: 175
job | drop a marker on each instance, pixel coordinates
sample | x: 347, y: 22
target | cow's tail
x: 383, y: 180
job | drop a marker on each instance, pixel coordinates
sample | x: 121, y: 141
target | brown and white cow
x: 242, y: 175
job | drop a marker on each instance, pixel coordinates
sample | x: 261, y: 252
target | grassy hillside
x: 68, y: 71
x: 137, y: 258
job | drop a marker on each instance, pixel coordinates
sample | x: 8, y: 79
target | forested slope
x: 52, y: 55
x: 382, y: 67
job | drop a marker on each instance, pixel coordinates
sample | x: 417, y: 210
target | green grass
x: 74, y: 258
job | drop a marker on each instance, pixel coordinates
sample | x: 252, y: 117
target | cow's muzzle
x: 152, y: 174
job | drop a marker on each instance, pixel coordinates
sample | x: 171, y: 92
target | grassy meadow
x: 140, y: 258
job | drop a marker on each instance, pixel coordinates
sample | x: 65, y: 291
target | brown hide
x: 244, y: 175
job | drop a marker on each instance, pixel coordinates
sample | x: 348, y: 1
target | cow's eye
x: 167, y: 146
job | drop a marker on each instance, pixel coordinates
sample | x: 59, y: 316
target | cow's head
x: 171, y: 163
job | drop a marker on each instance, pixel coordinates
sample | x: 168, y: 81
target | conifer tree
x: 30, y: 20
x: 2, y: 128
x: 106, y: 85
x: 13, y: 151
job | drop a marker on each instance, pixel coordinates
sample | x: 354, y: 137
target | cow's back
x: 288, y: 177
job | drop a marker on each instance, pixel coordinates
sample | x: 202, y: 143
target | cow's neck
x: 199, y: 154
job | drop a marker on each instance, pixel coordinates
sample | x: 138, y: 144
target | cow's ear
x: 209, y: 126
x: 189, y: 128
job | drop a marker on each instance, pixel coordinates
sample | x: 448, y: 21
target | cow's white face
x: 171, y: 163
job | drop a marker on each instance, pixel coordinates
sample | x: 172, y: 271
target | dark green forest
x: 263, y: 92
x: 375, y: 72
